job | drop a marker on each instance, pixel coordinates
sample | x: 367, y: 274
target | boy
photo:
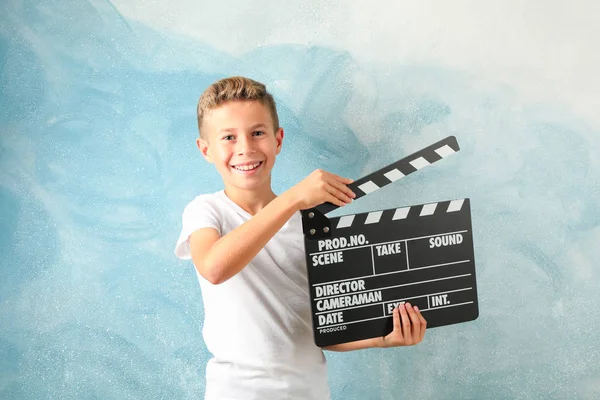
x: 247, y: 246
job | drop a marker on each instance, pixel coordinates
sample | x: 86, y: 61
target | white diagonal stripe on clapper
x: 394, y: 175
x: 455, y: 205
x: 345, y: 221
x: 401, y: 213
x: 419, y: 163
x: 428, y: 209
x: 373, y: 217
x: 368, y: 187
x: 445, y: 151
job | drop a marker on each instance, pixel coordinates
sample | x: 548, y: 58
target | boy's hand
x: 409, y: 327
x: 320, y: 187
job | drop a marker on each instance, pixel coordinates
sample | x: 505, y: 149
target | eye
x: 228, y: 137
x: 258, y: 133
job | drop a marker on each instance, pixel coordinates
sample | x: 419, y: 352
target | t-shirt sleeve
x: 196, y: 215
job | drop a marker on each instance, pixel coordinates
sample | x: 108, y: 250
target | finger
x: 423, y: 323
x: 338, y: 194
x: 330, y: 194
x: 340, y: 183
x: 416, y: 323
x: 333, y: 196
x: 396, y: 320
x: 334, y: 200
x: 343, y: 188
x: 405, y: 324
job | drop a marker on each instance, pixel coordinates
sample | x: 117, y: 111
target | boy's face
x: 240, y: 141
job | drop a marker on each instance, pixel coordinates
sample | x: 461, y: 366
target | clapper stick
x: 399, y: 169
x: 361, y: 266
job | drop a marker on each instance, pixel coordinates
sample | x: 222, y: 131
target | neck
x: 252, y: 201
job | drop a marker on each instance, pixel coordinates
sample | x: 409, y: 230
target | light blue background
x: 97, y: 160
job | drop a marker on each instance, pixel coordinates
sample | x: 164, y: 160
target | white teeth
x: 246, y: 167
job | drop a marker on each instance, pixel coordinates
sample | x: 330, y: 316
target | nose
x: 244, y: 145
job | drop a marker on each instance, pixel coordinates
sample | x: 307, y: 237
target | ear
x: 279, y: 138
x: 204, y: 149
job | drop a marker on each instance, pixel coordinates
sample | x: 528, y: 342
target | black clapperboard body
x: 361, y: 266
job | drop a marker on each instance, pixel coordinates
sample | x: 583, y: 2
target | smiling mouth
x: 247, y: 167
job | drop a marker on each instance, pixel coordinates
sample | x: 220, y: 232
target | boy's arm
x: 357, y: 345
x: 219, y: 258
x: 409, y: 329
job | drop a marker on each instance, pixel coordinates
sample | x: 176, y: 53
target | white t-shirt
x: 258, y: 323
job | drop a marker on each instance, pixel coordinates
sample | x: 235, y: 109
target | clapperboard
x: 360, y: 267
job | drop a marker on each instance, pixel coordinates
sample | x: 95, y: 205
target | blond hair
x: 235, y: 88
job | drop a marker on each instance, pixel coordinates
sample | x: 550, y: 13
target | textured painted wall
x: 97, y: 159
